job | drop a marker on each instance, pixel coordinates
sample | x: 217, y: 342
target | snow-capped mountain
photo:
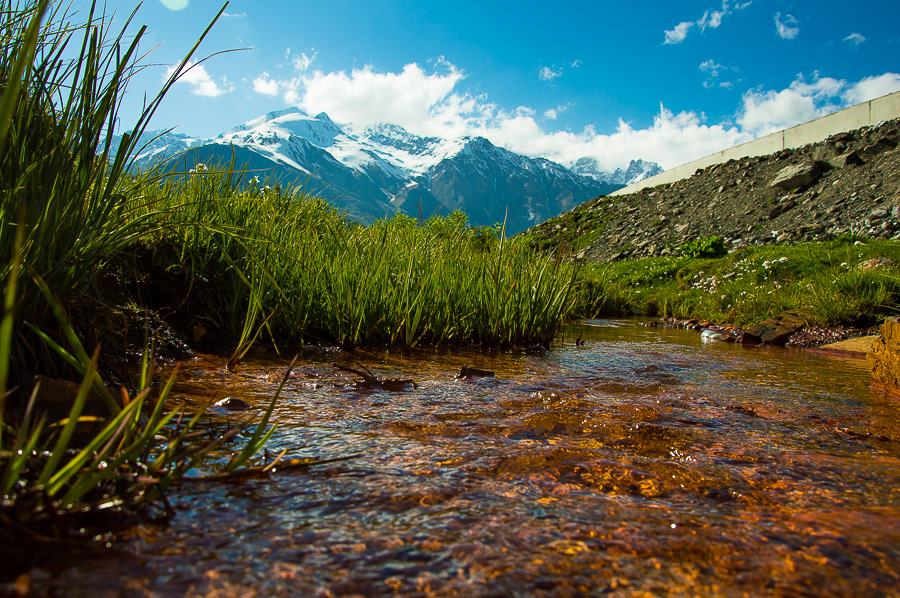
x: 384, y: 169
x: 637, y: 170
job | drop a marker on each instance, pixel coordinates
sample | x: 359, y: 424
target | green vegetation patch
x: 844, y: 282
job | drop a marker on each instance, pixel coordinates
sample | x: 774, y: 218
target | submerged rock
x: 468, y: 372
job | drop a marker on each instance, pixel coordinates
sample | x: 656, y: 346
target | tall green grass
x: 63, y: 185
x: 68, y: 207
x: 294, y: 267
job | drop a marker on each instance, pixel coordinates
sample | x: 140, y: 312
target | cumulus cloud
x: 201, y: 82
x: 872, y: 87
x: 412, y: 98
x: 785, y: 28
x: 428, y: 101
x: 266, y: 85
x: 767, y: 111
x: 855, y: 39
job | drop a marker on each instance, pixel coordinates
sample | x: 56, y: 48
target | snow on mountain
x: 384, y: 169
x: 637, y: 170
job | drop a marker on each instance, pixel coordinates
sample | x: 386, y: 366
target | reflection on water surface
x: 642, y: 463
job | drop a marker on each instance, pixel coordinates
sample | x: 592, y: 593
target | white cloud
x: 711, y: 66
x: 872, y: 87
x: 710, y: 19
x: 429, y: 102
x: 266, y: 85
x: 679, y: 33
x: 575, y: 64
x: 549, y: 74
x: 713, y: 71
x: 765, y: 112
x: 234, y: 15
x: 855, y: 39
x: 411, y: 98
x: 301, y: 62
x: 201, y: 81
x: 784, y: 28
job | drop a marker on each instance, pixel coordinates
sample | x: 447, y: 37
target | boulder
x: 777, y: 330
x: 797, y: 176
x: 883, y: 358
x: 848, y: 159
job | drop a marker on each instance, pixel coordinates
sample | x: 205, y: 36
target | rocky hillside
x: 849, y: 183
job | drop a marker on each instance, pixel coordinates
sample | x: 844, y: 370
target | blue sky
x: 662, y: 81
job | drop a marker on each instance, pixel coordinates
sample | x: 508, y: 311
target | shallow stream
x: 644, y: 462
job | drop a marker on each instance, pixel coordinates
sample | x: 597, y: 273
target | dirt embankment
x: 849, y: 183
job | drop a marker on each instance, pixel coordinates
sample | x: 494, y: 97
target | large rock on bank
x: 777, y: 330
x: 884, y: 356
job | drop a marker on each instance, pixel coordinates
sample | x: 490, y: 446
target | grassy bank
x: 262, y: 260
x: 844, y: 282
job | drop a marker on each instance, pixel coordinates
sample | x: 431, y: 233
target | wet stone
x: 234, y: 404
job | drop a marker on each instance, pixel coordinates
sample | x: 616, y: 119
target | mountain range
x: 383, y: 169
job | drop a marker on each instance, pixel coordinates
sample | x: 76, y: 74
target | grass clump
x: 67, y: 209
x: 298, y: 266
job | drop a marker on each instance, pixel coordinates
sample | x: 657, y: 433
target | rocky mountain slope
x: 383, y: 170
x: 849, y: 183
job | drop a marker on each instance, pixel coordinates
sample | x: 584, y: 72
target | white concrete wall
x: 861, y: 115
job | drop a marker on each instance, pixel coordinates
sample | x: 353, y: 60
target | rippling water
x: 642, y: 463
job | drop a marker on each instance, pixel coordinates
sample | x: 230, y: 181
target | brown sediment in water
x: 641, y: 463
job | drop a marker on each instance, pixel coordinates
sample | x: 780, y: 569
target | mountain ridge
x: 384, y: 169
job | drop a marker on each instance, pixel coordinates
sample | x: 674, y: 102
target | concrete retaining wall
x: 861, y: 115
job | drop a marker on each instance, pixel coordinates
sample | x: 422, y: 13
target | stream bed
x: 644, y: 462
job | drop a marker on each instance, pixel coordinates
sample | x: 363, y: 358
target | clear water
x: 643, y: 463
